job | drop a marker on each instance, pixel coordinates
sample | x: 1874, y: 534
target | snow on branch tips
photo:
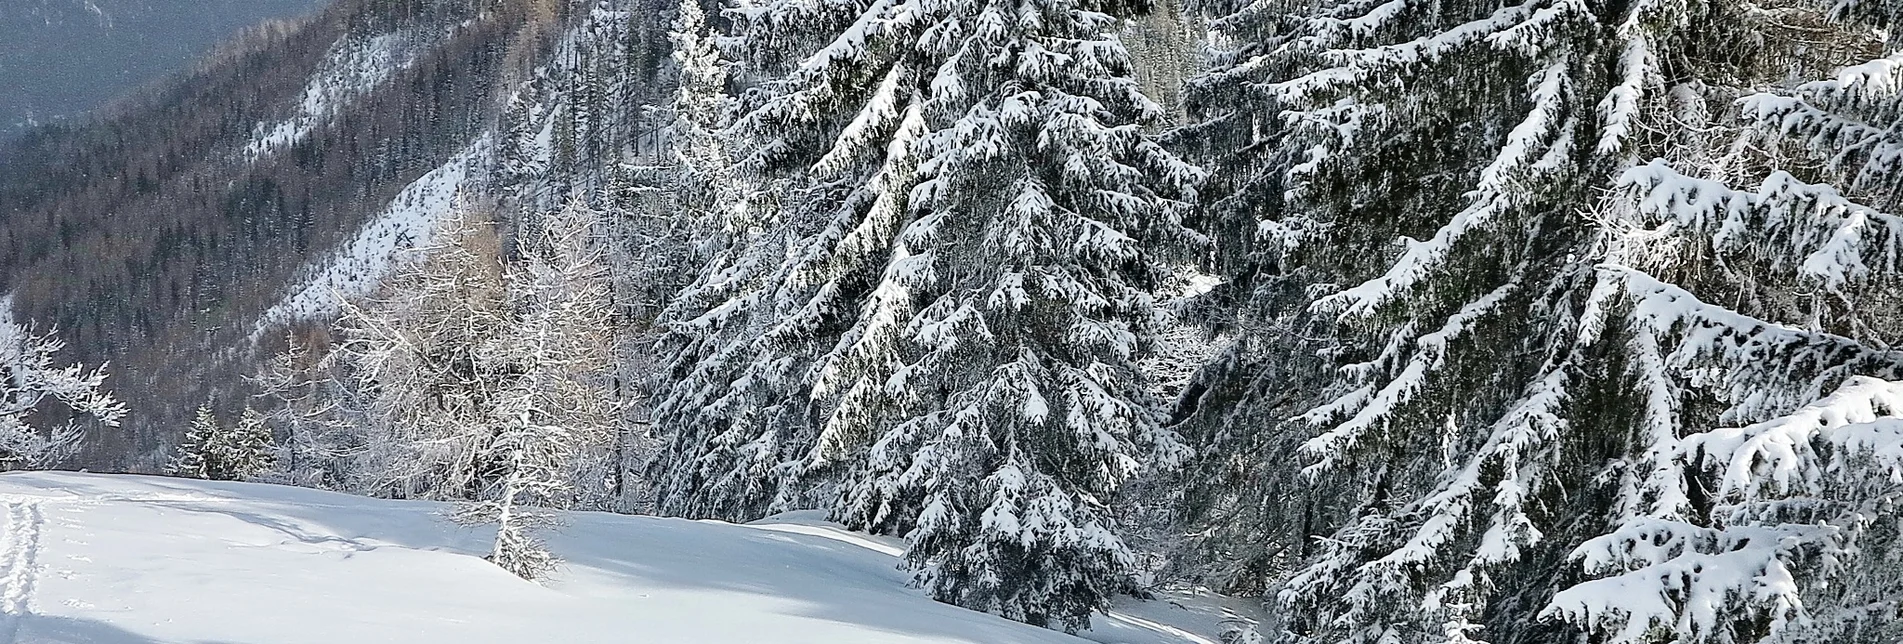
x: 31, y: 379
x: 1791, y: 496
x: 1809, y: 229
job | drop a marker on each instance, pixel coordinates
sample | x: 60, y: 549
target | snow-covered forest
x: 1449, y: 321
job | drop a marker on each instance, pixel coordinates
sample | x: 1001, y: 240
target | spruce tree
x: 1486, y: 315
x: 252, y: 450
x: 218, y: 452
x: 197, y: 454
x: 942, y: 316
x: 725, y: 409
x: 1771, y: 515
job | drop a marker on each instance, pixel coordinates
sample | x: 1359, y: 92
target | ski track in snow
x: 19, y: 563
x: 1156, y: 627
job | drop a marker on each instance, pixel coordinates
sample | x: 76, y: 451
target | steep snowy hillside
x: 278, y: 172
x: 134, y: 560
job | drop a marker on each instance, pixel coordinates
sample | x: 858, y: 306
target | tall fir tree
x: 725, y: 415
x: 940, y: 322
x: 1770, y: 515
x: 1477, y: 402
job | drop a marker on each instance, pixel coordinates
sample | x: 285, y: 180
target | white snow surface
x: 118, y: 559
x: 356, y: 269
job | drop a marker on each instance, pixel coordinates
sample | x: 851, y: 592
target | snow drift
x: 136, y: 560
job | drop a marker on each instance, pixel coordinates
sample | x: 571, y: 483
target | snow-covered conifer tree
x: 726, y: 408
x: 252, y: 451
x: 196, y: 457
x: 1475, y: 298
x: 709, y: 187
x: 29, y: 380
x: 1770, y: 515
x: 943, y: 316
x: 224, y: 453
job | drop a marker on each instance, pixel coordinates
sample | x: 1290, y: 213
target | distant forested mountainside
x: 62, y: 58
x: 157, y: 235
x: 1422, y: 321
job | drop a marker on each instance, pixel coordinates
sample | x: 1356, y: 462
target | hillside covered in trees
x: 1510, y: 322
x: 60, y: 59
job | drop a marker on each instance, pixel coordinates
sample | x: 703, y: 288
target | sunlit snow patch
x: 91, y: 558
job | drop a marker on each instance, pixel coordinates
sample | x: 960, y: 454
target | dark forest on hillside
x: 152, y: 242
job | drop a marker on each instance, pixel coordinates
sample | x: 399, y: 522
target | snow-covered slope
x: 356, y: 269
x: 135, y: 560
x: 354, y: 67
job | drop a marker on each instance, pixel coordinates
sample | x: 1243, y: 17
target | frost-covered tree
x: 412, y: 365
x: 315, y: 424
x: 710, y: 186
x: 1781, y: 524
x: 1798, y: 540
x: 219, y: 452
x: 554, y: 414
x: 31, y: 383
x: 1484, y: 315
x: 942, y: 317
x: 470, y: 379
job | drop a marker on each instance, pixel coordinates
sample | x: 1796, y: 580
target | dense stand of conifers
x: 1429, y: 321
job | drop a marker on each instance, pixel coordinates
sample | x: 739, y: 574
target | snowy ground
x: 134, y: 560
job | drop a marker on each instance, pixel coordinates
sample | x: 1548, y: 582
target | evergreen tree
x: 1771, y: 515
x: 726, y: 409
x: 942, y: 317
x: 1477, y: 402
x: 224, y: 453
x: 195, y: 454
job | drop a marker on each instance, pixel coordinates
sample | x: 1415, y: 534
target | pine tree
x: 28, y: 380
x: 1475, y: 402
x: 955, y: 281
x: 224, y: 453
